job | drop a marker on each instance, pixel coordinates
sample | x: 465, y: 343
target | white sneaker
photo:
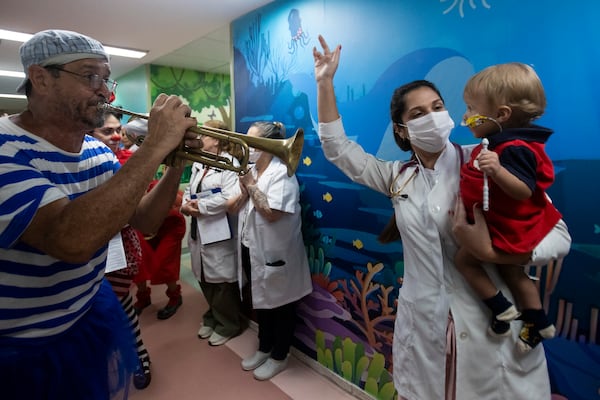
x: 269, y: 369
x: 255, y: 360
x: 216, y: 340
x: 205, y: 332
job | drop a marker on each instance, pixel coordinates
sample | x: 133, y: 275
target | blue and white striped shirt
x: 41, y: 296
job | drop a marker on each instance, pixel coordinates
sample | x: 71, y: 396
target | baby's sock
x: 501, y: 307
x: 536, y: 328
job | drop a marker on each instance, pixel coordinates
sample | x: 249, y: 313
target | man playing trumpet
x: 63, y: 333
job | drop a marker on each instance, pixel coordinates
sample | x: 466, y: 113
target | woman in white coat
x: 440, y: 347
x: 212, y: 241
x: 272, y: 252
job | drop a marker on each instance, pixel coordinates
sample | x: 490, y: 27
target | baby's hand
x: 489, y: 163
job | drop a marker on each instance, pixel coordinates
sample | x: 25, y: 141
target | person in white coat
x: 272, y: 252
x: 440, y: 348
x: 212, y: 240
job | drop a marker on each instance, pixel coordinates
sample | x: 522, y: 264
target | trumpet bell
x: 287, y: 150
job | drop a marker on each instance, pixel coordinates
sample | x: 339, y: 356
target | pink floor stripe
x: 185, y: 367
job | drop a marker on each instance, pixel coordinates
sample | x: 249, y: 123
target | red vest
x: 516, y: 226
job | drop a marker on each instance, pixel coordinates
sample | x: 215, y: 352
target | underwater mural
x: 347, y: 322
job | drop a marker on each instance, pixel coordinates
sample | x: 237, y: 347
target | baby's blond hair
x: 512, y: 84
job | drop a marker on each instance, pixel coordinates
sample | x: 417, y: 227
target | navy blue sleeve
x: 521, y: 162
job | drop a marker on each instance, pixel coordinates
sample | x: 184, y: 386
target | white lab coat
x: 278, y: 242
x: 218, y: 259
x: 486, y: 368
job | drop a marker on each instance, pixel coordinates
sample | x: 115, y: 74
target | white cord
x: 486, y: 189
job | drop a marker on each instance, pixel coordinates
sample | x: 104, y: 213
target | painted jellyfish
x: 299, y: 37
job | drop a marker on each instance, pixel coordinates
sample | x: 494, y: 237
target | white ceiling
x: 179, y: 33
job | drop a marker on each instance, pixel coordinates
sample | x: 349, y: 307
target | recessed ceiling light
x: 115, y: 51
x: 16, y: 36
x: 13, y: 96
x: 14, y: 74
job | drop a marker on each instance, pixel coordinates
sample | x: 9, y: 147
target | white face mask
x: 430, y: 133
x: 254, y: 155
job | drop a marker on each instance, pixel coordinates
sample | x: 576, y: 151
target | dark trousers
x: 275, y: 326
x: 276, y: 330
x: 247, y: 309
x: 224, y: 313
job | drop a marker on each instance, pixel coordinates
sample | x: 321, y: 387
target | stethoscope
x: 398, y: 193
x: 416, y: 162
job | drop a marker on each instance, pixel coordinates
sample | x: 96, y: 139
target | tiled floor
x: 185, y: 367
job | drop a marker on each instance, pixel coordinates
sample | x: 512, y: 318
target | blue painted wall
x: 384, y: 45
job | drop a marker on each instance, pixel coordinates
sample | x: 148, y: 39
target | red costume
x: 123, y: 155
x: 516, y: 226
x: 161, y: 253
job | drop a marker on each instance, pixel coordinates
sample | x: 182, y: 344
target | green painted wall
x: 208, y: 94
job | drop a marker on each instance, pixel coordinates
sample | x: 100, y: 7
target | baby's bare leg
x: 521, y: 286
x: 473, y: 272
x: 503, y: 311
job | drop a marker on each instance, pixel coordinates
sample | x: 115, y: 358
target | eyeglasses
x: 94, y: 80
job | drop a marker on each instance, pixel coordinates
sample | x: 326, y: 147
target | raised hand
x: 326, y: 62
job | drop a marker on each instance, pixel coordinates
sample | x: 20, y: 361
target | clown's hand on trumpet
x: 169, y: 126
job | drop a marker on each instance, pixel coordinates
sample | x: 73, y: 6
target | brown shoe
x: 175, y: 300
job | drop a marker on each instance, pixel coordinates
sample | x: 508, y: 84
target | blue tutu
x: 93, y: 360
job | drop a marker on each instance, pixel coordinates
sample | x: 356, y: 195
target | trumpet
x: 287, y: 150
